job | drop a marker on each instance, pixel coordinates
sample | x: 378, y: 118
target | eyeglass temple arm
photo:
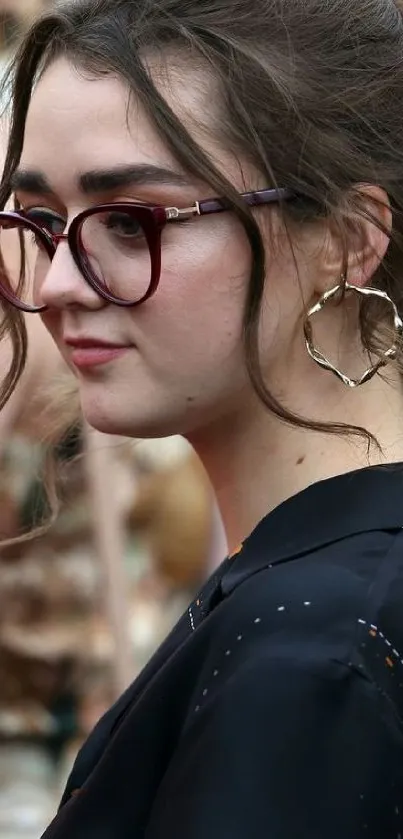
x: 217, y: 205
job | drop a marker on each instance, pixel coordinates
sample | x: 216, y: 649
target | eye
x: 47, y: 219
x: 123, y: 225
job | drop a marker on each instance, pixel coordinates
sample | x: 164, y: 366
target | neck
x: 255, y: 461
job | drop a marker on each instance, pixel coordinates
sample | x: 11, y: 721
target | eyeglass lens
x: 117, y: 254
x: 22, y: 258
x: 113, y: 251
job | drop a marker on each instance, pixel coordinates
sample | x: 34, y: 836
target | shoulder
x: 316, y: 614
x: 355, y: 577
x: 299, y: 638
x: 274, y: 732
x: 286, y: 703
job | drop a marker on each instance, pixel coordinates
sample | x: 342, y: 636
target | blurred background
x: 84, y: 605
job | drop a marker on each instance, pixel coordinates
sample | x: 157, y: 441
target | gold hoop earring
x: 320, y: 358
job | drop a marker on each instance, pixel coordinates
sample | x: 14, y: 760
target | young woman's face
x: 179, y: 363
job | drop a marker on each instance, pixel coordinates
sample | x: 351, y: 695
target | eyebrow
x: 28, y: 180
x: 102, y: 180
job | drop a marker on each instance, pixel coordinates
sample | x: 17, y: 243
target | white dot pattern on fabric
x: 373, y: 630
x: 227, y: 654
x: 256, y: 621
x: 191, y: 618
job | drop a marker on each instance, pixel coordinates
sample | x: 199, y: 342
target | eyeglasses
x: 116, y: 247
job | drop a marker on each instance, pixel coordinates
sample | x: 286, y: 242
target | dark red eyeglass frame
x: 152, y: 219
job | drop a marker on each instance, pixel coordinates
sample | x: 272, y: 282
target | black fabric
x: 274, y: 709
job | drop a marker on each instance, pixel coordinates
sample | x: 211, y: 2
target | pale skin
x: 184, y: 370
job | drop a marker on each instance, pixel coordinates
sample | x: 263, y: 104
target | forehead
x: 81, y: 120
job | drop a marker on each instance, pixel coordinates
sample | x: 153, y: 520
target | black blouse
x: 274, y: 708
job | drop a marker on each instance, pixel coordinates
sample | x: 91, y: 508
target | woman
x: 215, y: 191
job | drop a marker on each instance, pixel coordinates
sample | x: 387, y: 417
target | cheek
x: 195, y: 318
x: 51, y: 319
x: 37, y: 290
x: 211, y: 267
x: 37, y: 266
x: 282, y: 314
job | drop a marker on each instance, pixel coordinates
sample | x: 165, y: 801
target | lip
x: 93, y: 352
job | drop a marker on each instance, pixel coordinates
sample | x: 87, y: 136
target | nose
x: 63, y: 286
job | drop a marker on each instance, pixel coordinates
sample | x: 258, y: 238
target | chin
x: 140, y: 411
x: 123, y: 424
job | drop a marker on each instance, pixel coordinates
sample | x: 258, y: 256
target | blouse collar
x: 357, y: 502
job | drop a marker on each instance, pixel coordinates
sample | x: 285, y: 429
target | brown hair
x: 311, y: 94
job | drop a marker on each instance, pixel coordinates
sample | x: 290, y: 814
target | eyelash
x: 40, y: 209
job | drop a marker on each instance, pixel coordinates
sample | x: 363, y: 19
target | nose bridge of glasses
x: 58, y: 238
